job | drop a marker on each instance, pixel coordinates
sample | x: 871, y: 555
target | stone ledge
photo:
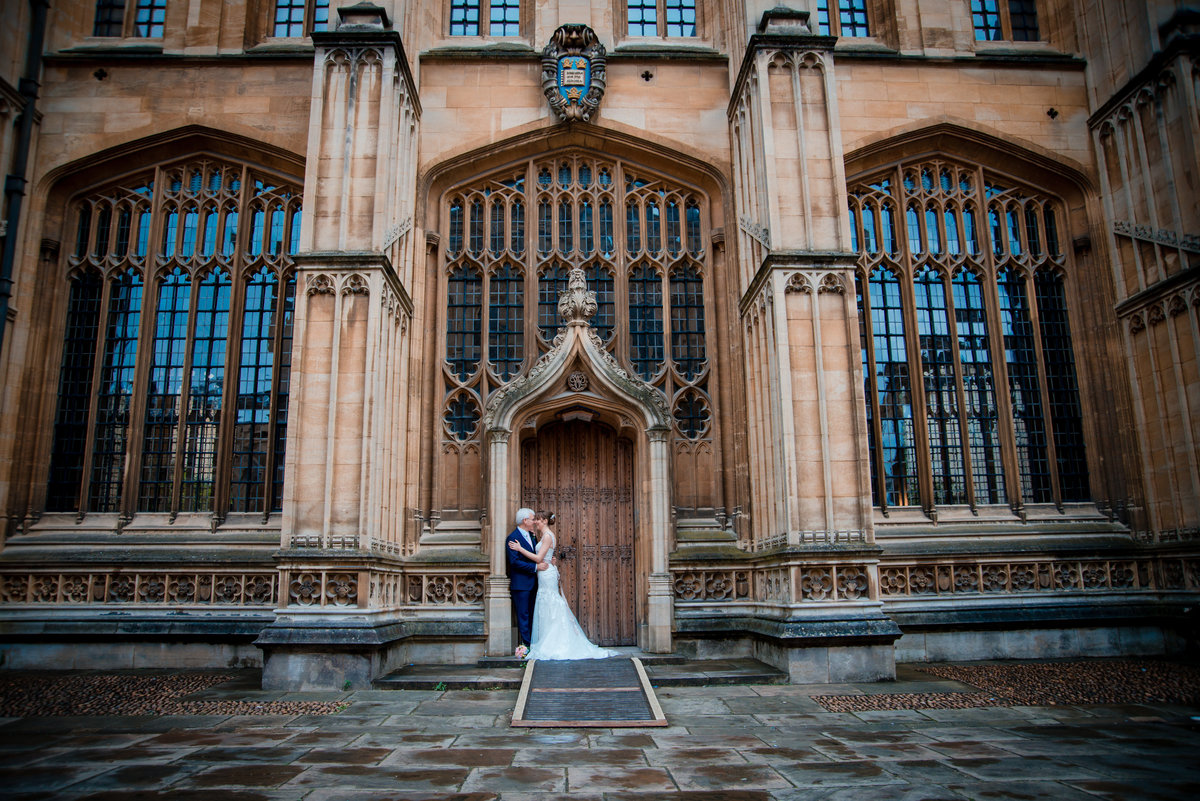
x: 797, y: 633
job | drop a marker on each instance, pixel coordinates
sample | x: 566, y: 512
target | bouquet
x: 521, y: 652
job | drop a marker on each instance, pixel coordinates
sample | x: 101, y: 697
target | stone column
x: 342, y: 583
x: 498, y: 602
x: 660, y: 612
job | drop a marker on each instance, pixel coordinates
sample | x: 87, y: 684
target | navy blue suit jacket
x: 522, y: 571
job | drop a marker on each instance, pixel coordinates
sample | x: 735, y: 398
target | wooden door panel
x: 584, y: 474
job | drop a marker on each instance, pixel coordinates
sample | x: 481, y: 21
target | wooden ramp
x: 587, y: 692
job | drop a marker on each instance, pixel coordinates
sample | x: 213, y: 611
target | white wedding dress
x: 556, y: 632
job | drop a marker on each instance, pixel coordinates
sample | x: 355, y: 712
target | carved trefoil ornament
x: 573, y: 73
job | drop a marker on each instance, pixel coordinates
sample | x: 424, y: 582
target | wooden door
x: 583, y: 473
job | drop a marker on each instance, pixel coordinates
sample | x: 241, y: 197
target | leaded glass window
x: 996, y: 402
x: 661, y: 18
x: 296, y: 18
x: 493, y: 17
x: 850, y: 20
x: 638, y: 238
x: 164, y: 388
x: 1005, y: 20
x: 149, y: 16
x: 109, y: 19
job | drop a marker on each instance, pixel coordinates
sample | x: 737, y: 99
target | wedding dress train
x: 556, y: 632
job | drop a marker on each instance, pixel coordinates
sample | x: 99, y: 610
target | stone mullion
x: 94, y: 399
x: 372, y: 401
x: 793, y: 69
x: 1106, y: 197
x: 281, y: 279
x: 622, y: 340
x: 233, y: 363
x: 1138, y: 134
x: 1001, y: 390
x: 1120, y: 137
x: 137, y: 408
x: 1035, y: 323
x: 880, y: 477
x: 434, y: 392
x: 916, y: 370
x: 964, y: 434
x: 1164, y: 147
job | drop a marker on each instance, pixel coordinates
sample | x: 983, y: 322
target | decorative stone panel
x: 1042, y: 576
x: 139, y: 588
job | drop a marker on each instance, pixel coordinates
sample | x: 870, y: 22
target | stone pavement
x: 725, y: 743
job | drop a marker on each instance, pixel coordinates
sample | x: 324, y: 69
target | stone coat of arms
x: 573, y: 72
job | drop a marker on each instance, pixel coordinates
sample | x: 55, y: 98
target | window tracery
x: 648, y: 277
x: 960, y: 304
x: 142, y: 424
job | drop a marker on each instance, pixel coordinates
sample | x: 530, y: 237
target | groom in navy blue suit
x: 522, y: 574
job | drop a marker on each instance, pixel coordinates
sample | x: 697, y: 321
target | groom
x: 522, y: 573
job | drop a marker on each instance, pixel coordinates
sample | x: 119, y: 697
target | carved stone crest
x: 573, y: 72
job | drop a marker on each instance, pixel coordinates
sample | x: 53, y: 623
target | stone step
x: 647, y: 659
x: 677, y: 672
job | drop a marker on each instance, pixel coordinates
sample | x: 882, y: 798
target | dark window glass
x: 645, y: 321
x: 893, y: 385
x: 687, y: 322
x: 551, y: 284
x: 600, y: 281
x: 205, y: 390
x: 166, y: 384
x: 287, y: 318
x: 462, y: 417
x: 691, y: 414
x: 464, y: 320
x: 475, y: 226
x: 1059, y: 363
x: 252, y: 407
x: 497, y: 229
x: 506, y: 321
x: 606, y: 228
x: 545, y: 228
x: 653, y: 229
x: 149, y: 18
x: 115, y: 393
x: 1020, y: 353
x: 109, y: 19
x: 941, y: 400
x: 74, y: 393
x: 587, y: 239
x: 464, y: 17
x: 633, y: 231
x: 1022, y: 16
x: 979, y: 392
x: 566, y: 238
x: 517, y: 225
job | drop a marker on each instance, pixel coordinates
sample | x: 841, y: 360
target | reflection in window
x: 163, y: 388
x: 1005, y: 20
x: 506, y: 321
x: 984, y: 392
x: 463, y: 321
x: 645, y: 321
x: 669, y: 18
x: 149, y: 17
x: 850, y: 20
x: 296, y: 18
x: 503, y: 17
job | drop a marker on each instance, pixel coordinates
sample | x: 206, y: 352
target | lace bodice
x: 550, y: 551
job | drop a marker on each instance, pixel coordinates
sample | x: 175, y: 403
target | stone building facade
x: 836, y: 333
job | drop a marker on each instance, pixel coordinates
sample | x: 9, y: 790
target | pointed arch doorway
x: 583, y: 472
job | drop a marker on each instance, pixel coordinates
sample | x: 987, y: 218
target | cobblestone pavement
x: 725, y: 743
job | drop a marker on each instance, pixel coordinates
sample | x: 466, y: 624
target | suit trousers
x: 523, y: 601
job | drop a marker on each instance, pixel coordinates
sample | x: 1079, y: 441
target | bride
x: 556, y: 632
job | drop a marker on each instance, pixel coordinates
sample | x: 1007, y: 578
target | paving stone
x: 969, y: 750
x: 344, y: 756
x: 134, y: 777
x: 1023, y: 790
x: 517, y: 779
x: 1030, y: 768
x: 892, y: 792
x: 617, y: 758
x: 831, y: 774
x: 345, y: 794
x: 1141, y: 791
x: 279, y: 755
x: 784, y: 756
x: 686, y: 757
x: 244, y: 776
x: 138, y: 753
x: 367, y: 776
x: 453, y: 757
x: 878, y: 752
x: 31, y: 779
x: 592, y: 778
x: 717, y: 777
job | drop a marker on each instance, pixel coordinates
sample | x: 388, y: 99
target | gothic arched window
x: 181, y: 303
x: 638, y: 239
x: 973, y: 303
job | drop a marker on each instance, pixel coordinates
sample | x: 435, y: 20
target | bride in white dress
x: 556, y: 632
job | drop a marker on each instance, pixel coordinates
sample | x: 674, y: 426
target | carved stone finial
x: 578, y: 303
